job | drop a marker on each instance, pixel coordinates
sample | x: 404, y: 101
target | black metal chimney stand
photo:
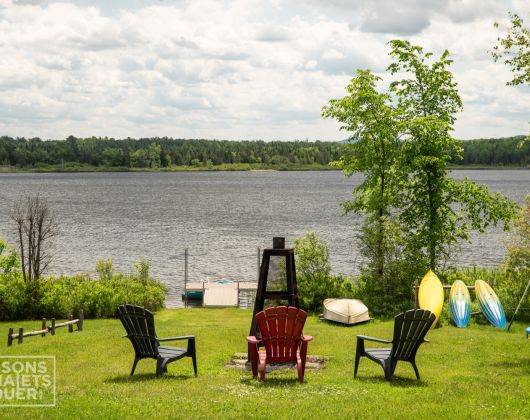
x: 291, y: 294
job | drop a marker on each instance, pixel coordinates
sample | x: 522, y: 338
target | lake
x: 221, y: 217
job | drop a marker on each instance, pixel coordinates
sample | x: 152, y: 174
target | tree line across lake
x: 167, y: 152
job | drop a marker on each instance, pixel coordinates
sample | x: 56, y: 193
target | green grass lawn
x: 478, y: 372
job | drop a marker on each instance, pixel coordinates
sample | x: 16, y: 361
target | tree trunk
x: 432, y: 224
x: 22, y: 253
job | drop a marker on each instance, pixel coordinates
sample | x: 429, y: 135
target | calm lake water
x: 222, y: 217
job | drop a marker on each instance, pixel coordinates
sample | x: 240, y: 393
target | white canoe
x: 345, y: 311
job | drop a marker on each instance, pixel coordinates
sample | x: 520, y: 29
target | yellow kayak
x: 431, y: 295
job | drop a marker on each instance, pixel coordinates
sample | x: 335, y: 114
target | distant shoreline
x: 219, y: 168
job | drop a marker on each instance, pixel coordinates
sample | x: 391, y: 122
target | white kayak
x: 345, y: 311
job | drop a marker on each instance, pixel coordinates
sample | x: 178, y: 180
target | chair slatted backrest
x: 281, y: 330
x: 140, y: 326
x: 410, y: 328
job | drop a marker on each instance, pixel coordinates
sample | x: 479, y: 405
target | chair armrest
x: 184, y: 337
x: 307, y: 338
x: 377, y: 340
x: 253, y: 340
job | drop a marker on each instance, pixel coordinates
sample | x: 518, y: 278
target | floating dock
x: 217, y: 295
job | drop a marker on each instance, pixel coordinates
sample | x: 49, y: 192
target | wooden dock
x: 217, y: 295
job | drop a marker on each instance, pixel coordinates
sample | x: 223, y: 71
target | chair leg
x: 193, y: 353
x: 300, y: 368
x: 357, y: 358
x: 359, y: 352
x: 301, y: 359
x: 394, y: 364
x: 160, y: 367
x: 261, y: 368
x: 136, y: 359
x: 413, y: 363
x: 388, y: 370
x: 194, y: 361
x: 253, y: 356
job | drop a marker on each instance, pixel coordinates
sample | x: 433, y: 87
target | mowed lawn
x: 478, y: 372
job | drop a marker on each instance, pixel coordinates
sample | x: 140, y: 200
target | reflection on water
x: 222, y: 217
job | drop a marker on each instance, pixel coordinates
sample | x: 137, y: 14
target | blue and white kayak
x: 460, y: 304
x: 490, y: 305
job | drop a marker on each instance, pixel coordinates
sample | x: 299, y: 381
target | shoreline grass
x: 478, y: 372
x: 215, y: 168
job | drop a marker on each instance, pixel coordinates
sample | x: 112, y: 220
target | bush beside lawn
x: 478, y: 372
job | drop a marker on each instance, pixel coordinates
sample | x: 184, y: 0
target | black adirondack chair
x: 140, y: 326
x: 410, y: 328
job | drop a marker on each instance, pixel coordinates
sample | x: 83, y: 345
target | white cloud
x: 235, y: 69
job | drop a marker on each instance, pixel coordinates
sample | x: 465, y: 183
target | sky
x: 238, y: 70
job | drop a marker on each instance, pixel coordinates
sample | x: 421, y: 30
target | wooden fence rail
x: 46, y: 329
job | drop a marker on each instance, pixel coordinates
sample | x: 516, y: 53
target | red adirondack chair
x: 281, y: 335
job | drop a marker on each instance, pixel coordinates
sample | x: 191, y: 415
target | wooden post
x: 238, y: 293
x: 258, y: 263
x: 52, y: 327
x: 20, y: 335
x: 185, y: 277
x: 81, y: 319
x: 519, y: 305
x: 10, y: 337
x: 70, y: 326
x: 43, y: 327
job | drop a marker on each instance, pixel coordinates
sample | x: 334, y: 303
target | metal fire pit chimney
x: 278, y: 242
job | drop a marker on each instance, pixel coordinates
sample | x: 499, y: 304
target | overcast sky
x: 234, y: 69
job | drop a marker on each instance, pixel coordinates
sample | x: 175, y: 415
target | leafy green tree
x: 373, y: 123
x: 514, y: 50
x: 153, y: 155
x: 435, y: 210
x: 138, y: 158
x: 401, y: 142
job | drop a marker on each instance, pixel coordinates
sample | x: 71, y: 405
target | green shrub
x: 105, y: 269
x: 389, y: 294
x: 60, y: 296
x: 516, y: 267
x: 12, y: 296
x: 9, y: 261
x: 313, y: 290
x: 314, y: 278
x: 55, y: 297
x: 388, y: 274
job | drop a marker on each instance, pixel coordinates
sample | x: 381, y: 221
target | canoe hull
x: 490, y: 305
x: 345, y: 311
x: 431, y: 295
x: 460, y: 304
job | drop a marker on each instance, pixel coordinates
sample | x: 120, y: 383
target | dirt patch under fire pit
x: 239, y: 361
